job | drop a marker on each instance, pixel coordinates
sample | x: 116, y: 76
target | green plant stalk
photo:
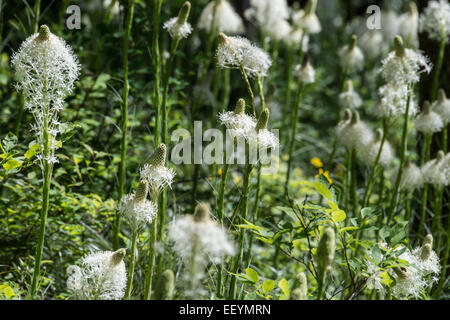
x: 226, y: 89
x: 124, y: 124
x: 445, y: 259
x: 19, y: 113
x: 437, y: 219
x: 239, y: 256
x: 193, y: 267
x: 372, y: 176
x: 423, y: 207
x: 152, y: 250
x: 294, y: 124
x: 353, y: 183
x: 347, y: 179
x: 395, y: 193
x: 132, y: 264
x: 287, y: 99
x: 320, y: 284
x: 255, y: 214
x: 220, y: 211
x: 250, y: 90
x: 157, y: 69
x: 438, y: 69
x: 37, y: 13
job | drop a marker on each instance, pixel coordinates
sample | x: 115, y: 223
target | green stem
x: 255, y: 214
x: 293, y: 134
x: 445, y: 259
x: 37, y: 13
x: 220, y: 211
x: 156, y: 69
x: 132, y: 264
x: 151, y: 263
x: 438, y: 69
x: 353, y: 184
x: 423, y: 207
x: 395, y: 192
x: 124, y: 124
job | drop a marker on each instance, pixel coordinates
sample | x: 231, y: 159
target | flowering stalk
x: 37, y: 13
x: 298, y: 100
x: 152, y: 249
x: 156, y: 61
x: 423, y: 208
x: 403, y: 150
x: 124, y: 124
x: 132, y: 263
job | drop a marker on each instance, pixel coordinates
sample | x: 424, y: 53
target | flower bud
x: 240, y: 107
x: 159, y: 156
x: 326, y: 248
x: 44, y: 33
x: 401, y: 272
x: 353, y: 42
x: 141, y: 191
x: 165, y: 286
x: 301, y: 292
x: 425, y: 252
x: 355, y: 117
x: 202, y: 212
x: 183, y: 15
x: 311, y: 7
x: 347, y: 114
x: 442, y: 97
x: 428, y: 240
x: 426, y: 107
x: 399, y: 47
x: 263, y: 120
x: 378, y: 135
x: 117, y: 257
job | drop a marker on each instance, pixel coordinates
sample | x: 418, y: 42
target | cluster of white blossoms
x: 307, y: 20
x: 393, y: 97
x: 411, y: 176
x: 46, y: 70
x: 304, y: 72
x: 352, y: 132
x: 200, y: 236
x: 372, y: 43
x: 267, y: 14
x: 351, y: 56
x: 420, y: 269
x: 137, y: 209
x: 437, y: 171
x: 220, y: 17
x: 442, y: 106
x: 370, y: 151
x: 428, y: 121
x: 238, y: 52
x: 101, y: 276
x: 349, y: 98
x: 155, y: 171
x: 435, y: 19
x: 178, y: 27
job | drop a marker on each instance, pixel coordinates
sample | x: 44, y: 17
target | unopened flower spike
x: 165, y: 286
x: 202, y: 212
x: 308, y: 20
x: 301, y: 291
x: 239, y: 124
x: 263, y: 120
x: 155, y: 172
x: 351, y: 56
x: 326, y: 249
x: 240, y: 107
x: 399, y: 47
x: 178, y: 27
x: 305, y: 72
x: 117, y: 256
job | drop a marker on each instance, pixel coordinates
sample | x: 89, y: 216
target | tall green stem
x: 423, y: 207
x: 124, y: 123
x: 132, y: 264
x: 152, y: 250
x: 37, y: 13
x: 156, y: 60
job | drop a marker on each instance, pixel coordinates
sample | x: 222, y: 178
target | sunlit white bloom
x: 261, y: 137
x: 393, y: 101
x: 280, y: 30
x: 237, y: 52
x: 351, y: 56
x: 409, y: 26
x: 428, y: 121
x: 237, y: 121
x: 266, y: 14
x: 305, y: 72
x: 404, y: 65
x: 372, y: 43
x: 442, y: 106
x: 307, y: 20
x: 224, y: 19
x: 436, y: 171
x: 156, y: 173
x: 178, y: 27
x: 370, y: 151
x: 428, y: 265
x: 350, y: 98
x: 411, y: 177
x: 46, y: 70
x: 435, y: 19
x: 200, y: 236
x: 353, y: 133
x: 101, y: 276
x: 409, y: 283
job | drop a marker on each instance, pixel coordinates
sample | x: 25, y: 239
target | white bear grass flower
x: 393, y: 100
x: 349, y: 98
x: 238, y: 52
x: 156, y: 172
x: 46, y: 70
x: 435, y: 19
x: 178, y: 27
x: 101, y: 276
x: 137, y: 209
x: 412, y: 178
x: 437, y: 171
x: 442, y: 106
x: 428, y: 121
x: 409, y: 26
x: 370, y: 151
x: 404, y: 65
x: 266, y: 14
x: 352, y: 132
x: 307, y: 20
x: 304, y: 72
x: 239, y: 124
x: 224, y: 19
x: 260, y: 137
x: 351, y: 56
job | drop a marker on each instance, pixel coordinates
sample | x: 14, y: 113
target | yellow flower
x: 316, y: 162
x: 326, y: 174
x: 220, y: 172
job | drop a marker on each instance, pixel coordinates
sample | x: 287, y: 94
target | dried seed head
x: 326, y: 248
x: 142, y: 191
x: 44, y: 33
x: 263, y: 120
x: 425, y: 252
x: 165, y: 286
x: 428, y: 240
x: 240, y: 107
x: 159, y: 156
x: 118, y: 256
x: 183, y: 15
x: 399, y: 47
x: 202, y: 212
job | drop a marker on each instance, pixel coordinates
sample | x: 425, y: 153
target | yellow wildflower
x: 316, y: 162
x: 326, y: 174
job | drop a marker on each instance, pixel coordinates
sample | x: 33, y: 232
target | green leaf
x: 68, y: 130
x: 252, y: 274
x: 338, y: 215
x: 268, y: 285
x: 249, y: 225
x: 365, y: 212
x: 9, y: 141
x: 323, y: 190
x: 377, y: 255
x: 349, y: 229
x: 11, y: 164
x: 283, y: 284
x: 290, y: 212
x: 32, y: 151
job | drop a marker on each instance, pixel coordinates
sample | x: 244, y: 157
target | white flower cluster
x: 428, y: 121
x: 411, y: 177
x: 442, y: 106
x: 370, y: 151
x: 437, y: 171
x: 101, y: 276
x: 393, y: 99
x: 351, y: 56
x: 435, y: 19
x: 349, y: 98
x: 237, y: 52
x: 267, y: 14
x: 307, y: 19
x: 352, y: 132
x: 156, y: 173
x: 220, y: 17
x: 305, y: 73
x: 46, y: 70
x: 178, y: 27
x: 200, y: 236
x: 408, y: 27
